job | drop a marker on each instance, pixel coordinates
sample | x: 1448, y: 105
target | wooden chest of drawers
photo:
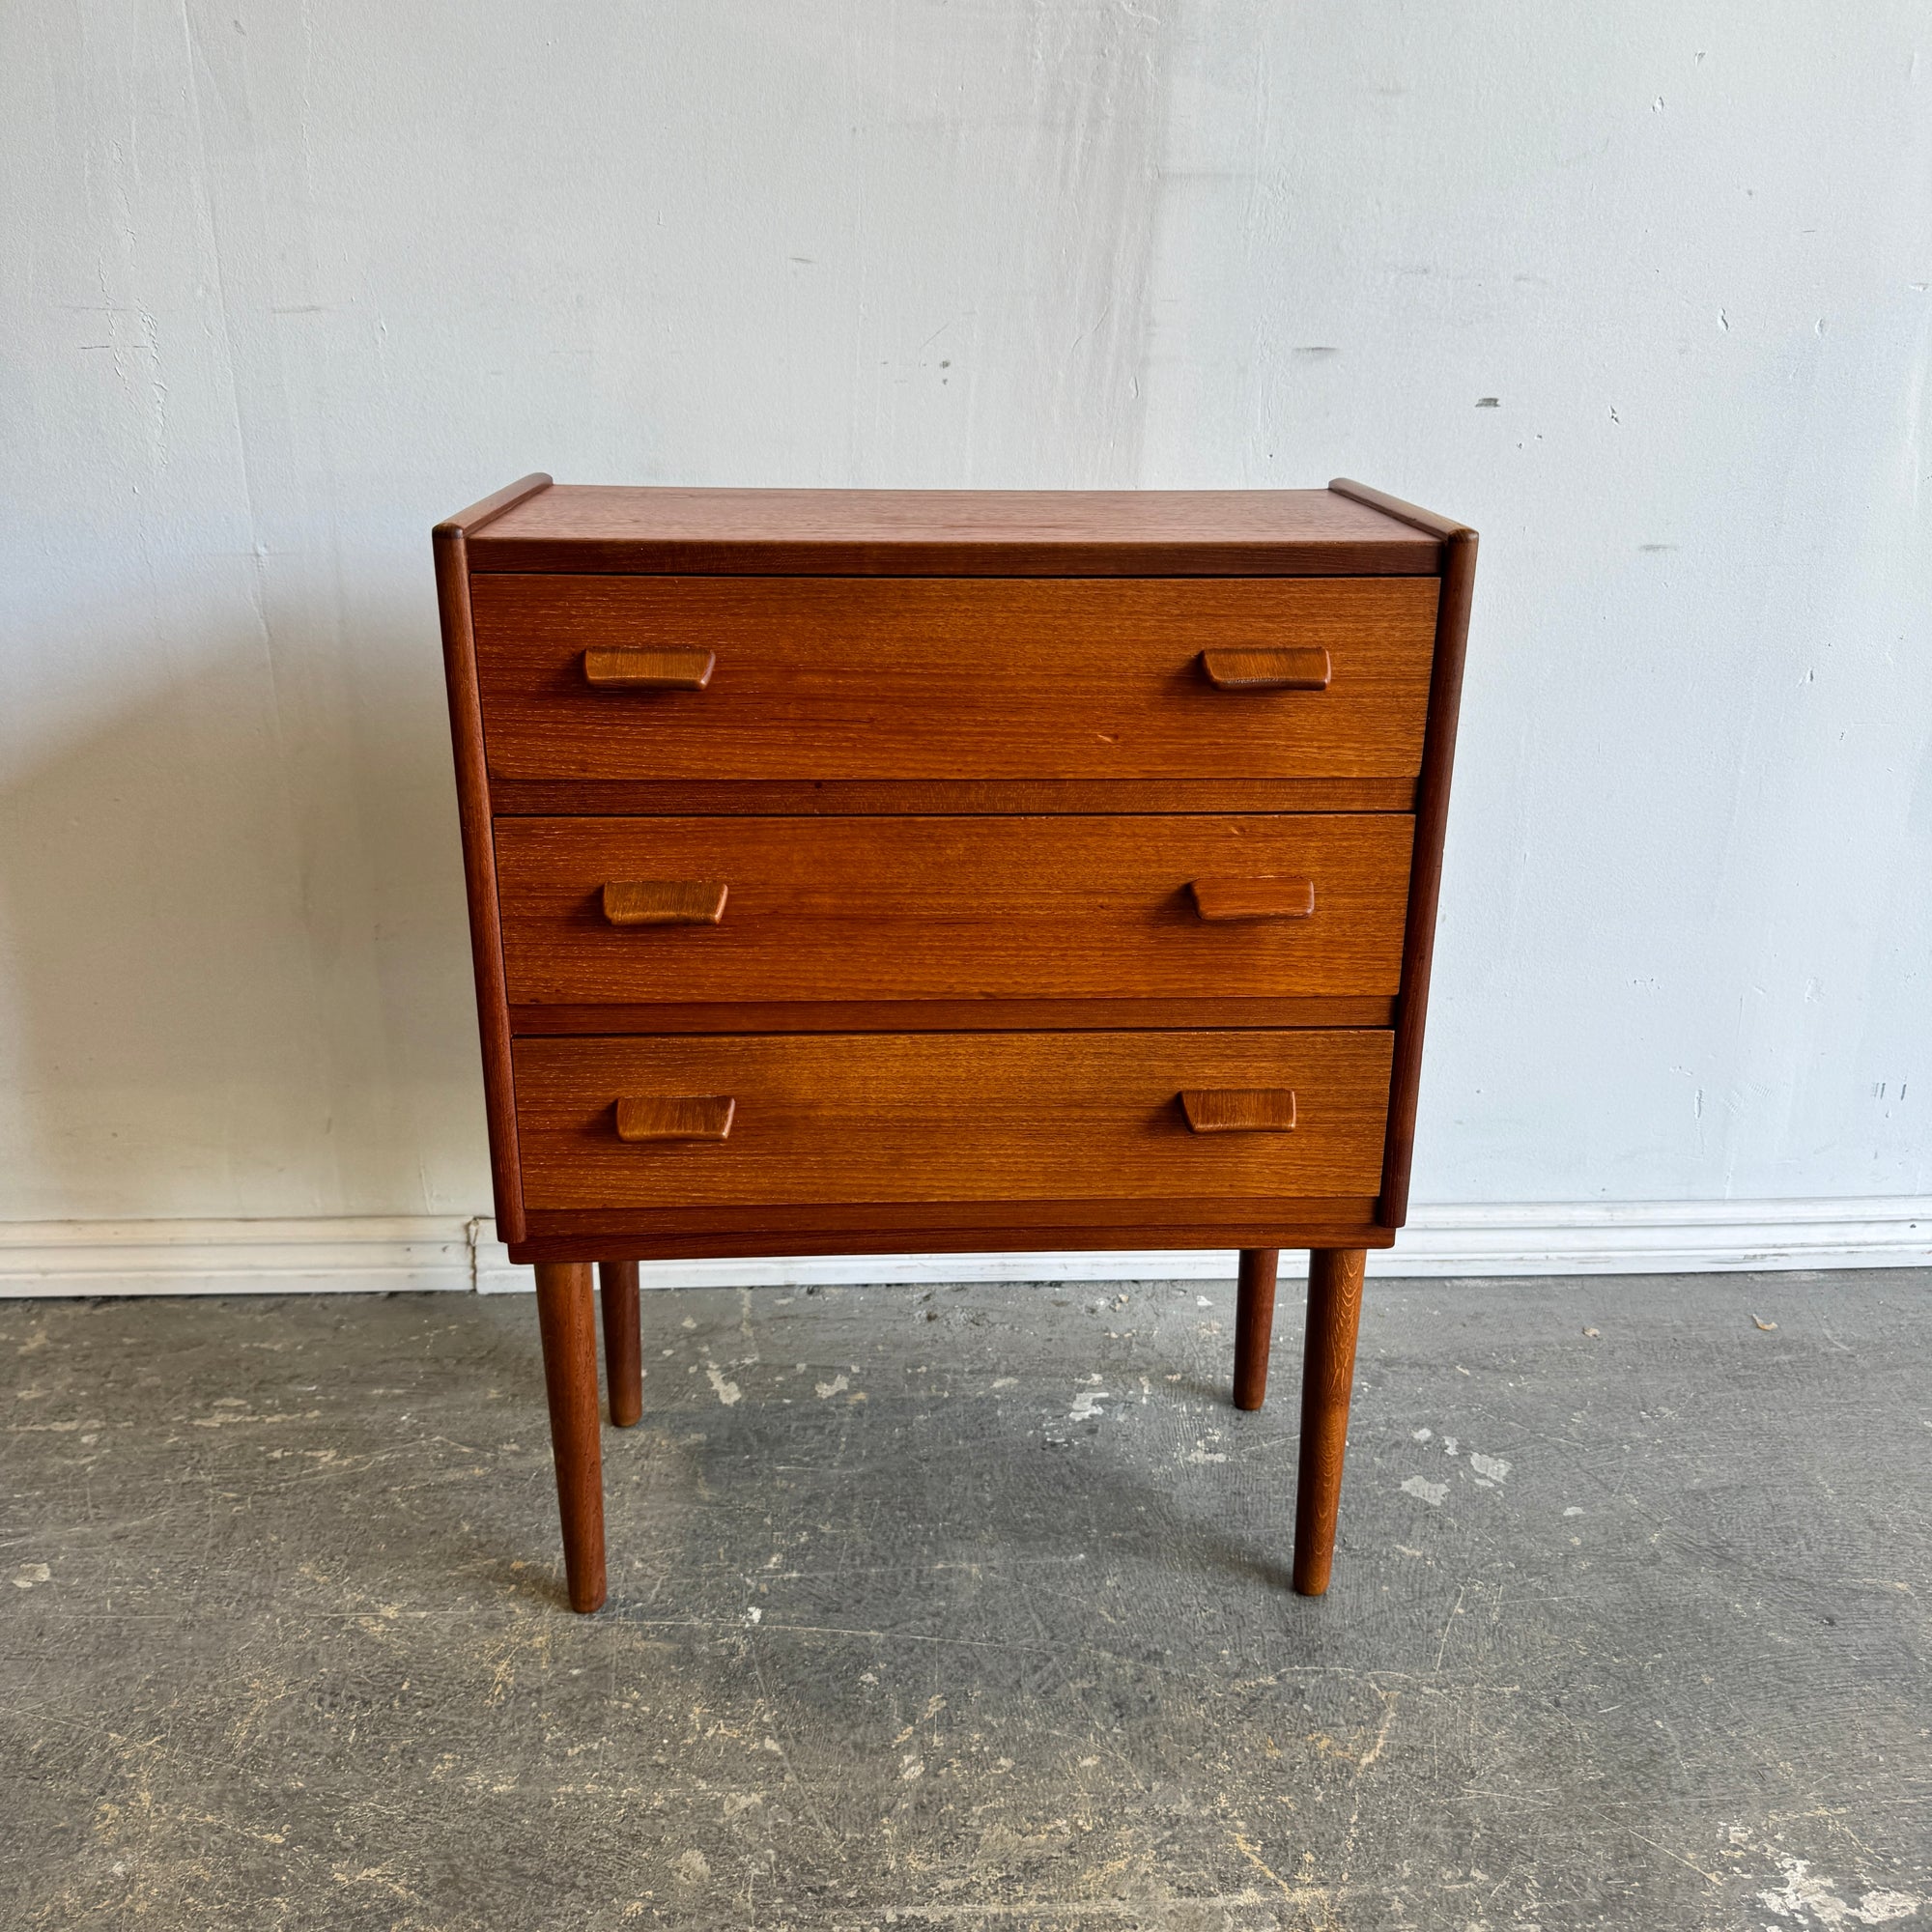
x: 868, y: 871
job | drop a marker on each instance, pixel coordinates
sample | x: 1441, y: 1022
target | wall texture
x: 1641, y: 292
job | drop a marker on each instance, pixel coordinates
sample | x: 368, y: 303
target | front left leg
x: 568, y: 1324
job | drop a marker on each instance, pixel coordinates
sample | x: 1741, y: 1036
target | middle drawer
x: 947, y: 908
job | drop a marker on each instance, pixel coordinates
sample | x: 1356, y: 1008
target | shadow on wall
x: 236, y: 976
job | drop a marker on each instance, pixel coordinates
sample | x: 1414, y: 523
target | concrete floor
x: 969, y: 1607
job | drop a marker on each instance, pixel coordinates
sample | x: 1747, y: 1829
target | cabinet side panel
x: 1425, y: 877
x: 479, y: 870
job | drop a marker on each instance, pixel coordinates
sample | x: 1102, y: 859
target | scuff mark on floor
x: 1806, y: 1897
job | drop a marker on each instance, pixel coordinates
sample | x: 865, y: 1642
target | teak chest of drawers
x: 859, y: 871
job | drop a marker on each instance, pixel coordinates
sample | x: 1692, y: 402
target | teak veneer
x: 932, y: 679
x: 982, y: 908
x: 855, y: 871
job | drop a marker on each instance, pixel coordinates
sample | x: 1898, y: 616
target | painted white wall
x: 1640, y: 290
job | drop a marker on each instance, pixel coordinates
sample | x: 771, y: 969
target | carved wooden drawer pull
x: 675, y: 1117
x: 1220, y: 900
x: 665, y: 901
x: 1239, y: 1110
x: 1299, y: 668
x: 657, y: 668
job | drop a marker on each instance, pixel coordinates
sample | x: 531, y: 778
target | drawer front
x: 881, y: 1118
x: 1017, y: 908
x: 852, y: 678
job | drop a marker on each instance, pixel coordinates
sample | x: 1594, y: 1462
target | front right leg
x: 1327, y: 1379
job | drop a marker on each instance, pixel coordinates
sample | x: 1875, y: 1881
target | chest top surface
x: 953, y: 532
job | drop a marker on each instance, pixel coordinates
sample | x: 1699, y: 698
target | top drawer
x: 834, y: 678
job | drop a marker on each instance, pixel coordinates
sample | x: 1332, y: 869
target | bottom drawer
x: 966, y: 1118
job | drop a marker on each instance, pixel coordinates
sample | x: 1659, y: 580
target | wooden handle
x: 1226, y: 900
x: 675, y: 1117
x: 1299, y: 668
x: 665, y: 901
x: 656, y: 668
x: 1239, y: 1110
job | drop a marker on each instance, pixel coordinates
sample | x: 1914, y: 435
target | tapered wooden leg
x: 569, y: 1328
x: 1254, y: 1325
x: 1327, y: 1376
x: 623, y: 1347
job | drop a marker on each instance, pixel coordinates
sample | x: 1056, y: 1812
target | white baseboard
x: 358, y: 1255
x: 412, y: 1252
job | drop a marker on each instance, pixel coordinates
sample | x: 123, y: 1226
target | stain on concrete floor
x: 969, y: 1607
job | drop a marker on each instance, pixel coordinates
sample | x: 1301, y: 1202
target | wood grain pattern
x: 1254, y: 1324
x: 479, y: 857
x: 499, y: 503
x: 617, y: 1295
x: 826, y: 1119
x: 567, y: 1325
x: 1239, y: 1110
x: 956, y: 533
x: 1412, y: 513
x: 1327, y: 1381
x: 840, y: 798
x: 955, y: 909
x: 562, y: 1237
x: 987, y: 1016
x: 1445, y: 697
x: 846, y: 678
x: 639, y: 1118
x: 1251, y: 900
x: 632, y: 902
